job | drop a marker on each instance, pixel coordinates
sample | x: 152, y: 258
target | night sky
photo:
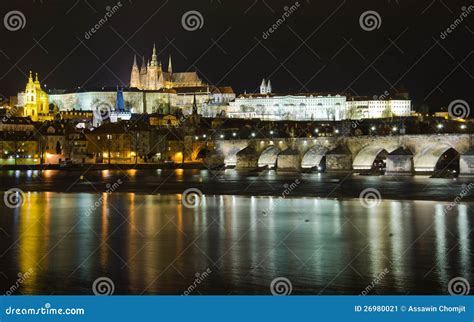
x: 321, y: 47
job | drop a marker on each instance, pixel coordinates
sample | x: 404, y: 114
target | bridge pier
x: 214, y: 160
x: 466, y: 163
x: 339, y: 159
x: 289, y: 160
x: 247, y: 159
x: 399, y: 162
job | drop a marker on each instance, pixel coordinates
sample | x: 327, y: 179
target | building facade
x: 210, y: 100
x: 273, y: 107
x: 35, y: 101
x: 152, y: 76
x: 314, y: 106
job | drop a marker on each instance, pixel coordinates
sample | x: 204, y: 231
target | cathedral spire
x: 154, y: 60
x: 135, y: 75
x: 170, y: 66
x: 30, y: 79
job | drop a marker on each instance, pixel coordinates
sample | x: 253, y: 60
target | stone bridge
x: 401, y: 153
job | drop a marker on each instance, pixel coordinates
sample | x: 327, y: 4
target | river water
x: 232, y: 244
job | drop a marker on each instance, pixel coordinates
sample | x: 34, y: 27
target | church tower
x: 263, y: 87
x: 36, y: 100
x: 153, y: 72
x: 135, y: 77
x: 269, y: 87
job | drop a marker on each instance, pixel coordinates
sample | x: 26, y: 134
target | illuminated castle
x: 34, y: 101
x: 151, y: 75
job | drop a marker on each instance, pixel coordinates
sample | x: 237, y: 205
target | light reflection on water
x: 152, y: 244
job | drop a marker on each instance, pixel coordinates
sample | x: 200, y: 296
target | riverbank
x: 104, y: 166
x: 232, y: 182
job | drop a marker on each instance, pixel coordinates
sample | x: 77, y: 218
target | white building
x: 210, y: 100
x: 273, y: 107
x: 366, y: 109
x: 316, y: 106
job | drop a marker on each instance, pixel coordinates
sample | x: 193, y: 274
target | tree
x: 135, y: 141
x: 69, y: 147
x: 108, y: 142
x: 353, y: 113
x: 58, y: 148
x: 42, y: 148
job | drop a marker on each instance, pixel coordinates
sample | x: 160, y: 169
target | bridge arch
x: 230, y: 160
x: 313, y: 157
x: 364, y: 160
x: 268, y: 158
x: 429, y: 157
